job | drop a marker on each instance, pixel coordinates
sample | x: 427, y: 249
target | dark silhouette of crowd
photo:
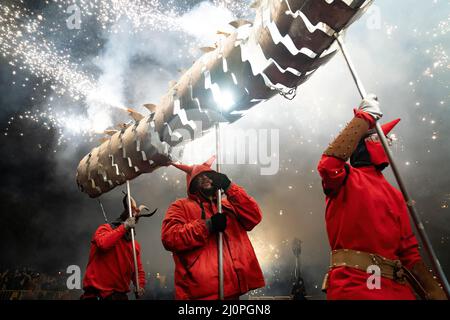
x: 27, y: 283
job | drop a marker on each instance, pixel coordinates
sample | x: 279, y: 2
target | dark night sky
x: 47, y: 223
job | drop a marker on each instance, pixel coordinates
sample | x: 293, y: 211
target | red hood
x: 387, y: 127
x: 194, y: 170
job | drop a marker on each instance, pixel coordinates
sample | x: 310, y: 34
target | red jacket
x: 365, y: 212
x: 111, y: 265
x: 184, y: 232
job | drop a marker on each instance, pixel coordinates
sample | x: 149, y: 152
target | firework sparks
x: 24, y: 43
x: 26, y: 47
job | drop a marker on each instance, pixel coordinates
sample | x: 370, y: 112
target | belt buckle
x: 399, y: 273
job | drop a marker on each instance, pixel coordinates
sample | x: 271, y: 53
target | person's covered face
x: 370, y: 152
x: 204, y: 184
x: 374, y: 138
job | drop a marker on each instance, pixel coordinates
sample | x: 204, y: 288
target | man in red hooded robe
x: 110, y: 268
x: 189, y: 231
x: 366, y: 218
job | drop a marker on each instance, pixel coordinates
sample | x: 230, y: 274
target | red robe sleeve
x: 333, y: 172
x: 409, y: 247
x: 105, y: 237
x: 247, y: 210
x: 141, y: 272
x: 178, y: 234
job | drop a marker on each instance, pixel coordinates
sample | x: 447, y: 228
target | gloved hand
x: 219, y: 180
x: 130, y: 223
x: 371, y: 106
x: 140, y: 292
x: 217, y: 223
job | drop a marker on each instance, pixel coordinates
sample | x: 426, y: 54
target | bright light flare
x: 227, y: 101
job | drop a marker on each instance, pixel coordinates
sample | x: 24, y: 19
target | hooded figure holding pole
x: 189, y: 230
x: 374, y: 251
x: 110, y: 268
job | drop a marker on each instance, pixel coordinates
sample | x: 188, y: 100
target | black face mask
x: 204, y: 192
x: 360, y: 157
x: 117, y: 222
x: 208, y: 192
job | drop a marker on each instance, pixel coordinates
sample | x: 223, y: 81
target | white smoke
x: 136, y: 67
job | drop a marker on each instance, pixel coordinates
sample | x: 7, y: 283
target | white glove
x: 130, y: 223
x: 371, y: 106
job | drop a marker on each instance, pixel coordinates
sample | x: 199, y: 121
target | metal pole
x: 103, y: 210
x: 219, y: 209
x: 130, y: 211
x: 409, y: 202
